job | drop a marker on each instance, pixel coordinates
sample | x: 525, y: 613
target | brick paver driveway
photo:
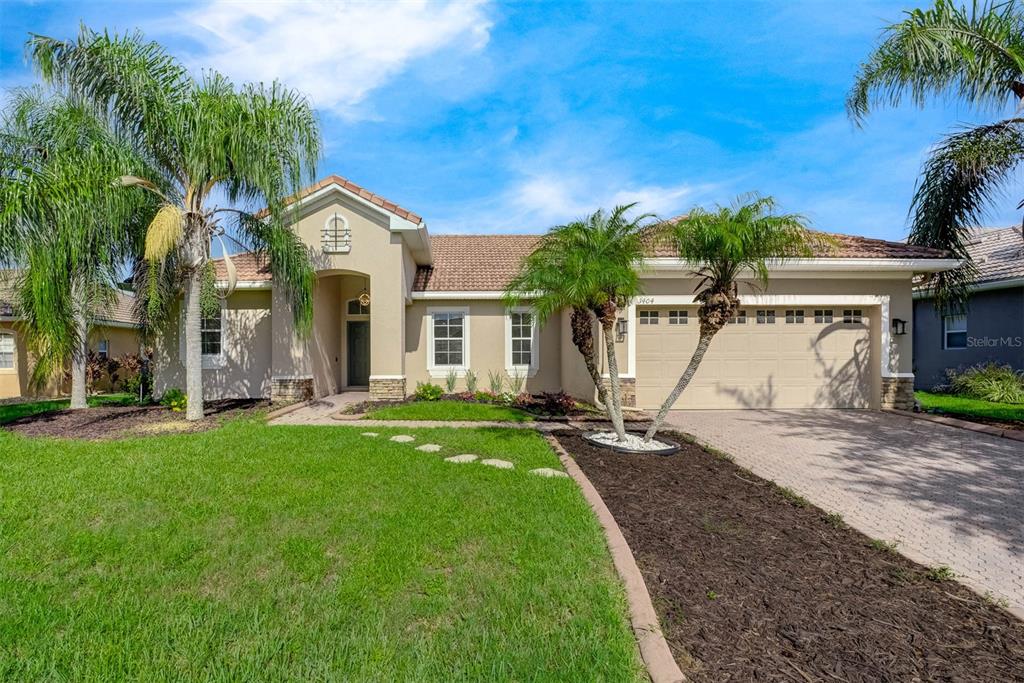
x: 948, y: 495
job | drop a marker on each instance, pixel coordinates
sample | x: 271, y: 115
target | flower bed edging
x: 654, y: 650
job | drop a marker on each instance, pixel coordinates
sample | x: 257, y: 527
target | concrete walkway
x: 319, y: 411
x: 947, y: 495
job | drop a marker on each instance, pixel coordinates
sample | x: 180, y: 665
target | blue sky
x: 488, y: 117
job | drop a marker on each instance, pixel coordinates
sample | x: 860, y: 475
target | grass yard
x: 252, y: 552
x: 449, y: 410
x: 971, y: 408
x: 12, y: 411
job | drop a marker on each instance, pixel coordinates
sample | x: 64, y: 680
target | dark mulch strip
x: 111, y: 422
x: 754, y: 587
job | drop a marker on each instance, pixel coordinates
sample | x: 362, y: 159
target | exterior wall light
x: 621, y: 327
x: 899, y: 327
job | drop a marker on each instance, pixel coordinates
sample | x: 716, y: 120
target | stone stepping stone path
x: 429, y: 448
x: 465, y: 457
x: 402, y: 438
x: 370, y: 434
x: 500, y: 464
x: 548, y: 472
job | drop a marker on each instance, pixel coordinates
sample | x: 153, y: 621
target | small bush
x: 495, y: 381
x: 836, y: 520
x: 175, y: 399
x: 940, y: 574
x: 471, y: 381
x: 516, y: 382
x: 428, y: 392
x: 988, y: 382
x: 884, y: 546
x: 484, y: 397
x: 556, y: 403
x: 450, y: 380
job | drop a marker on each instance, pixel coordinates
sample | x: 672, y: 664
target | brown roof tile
x: 250, y: 267
x: 358, y: 190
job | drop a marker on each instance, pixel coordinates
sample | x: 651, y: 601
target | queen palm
x: 253, y: 145
x: 68, y: 231
x: 975, y: 55
x: 723, y: 245
x: 591, y: 266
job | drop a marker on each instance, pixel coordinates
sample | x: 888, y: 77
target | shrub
x: 471, y: 381
x: 556, y: 403
x: 484, y: 396
x: 450, y: 380
x: 495, y: 381
x: 516, y: 382
x: 988, y: 382
x: 428, y: 392
x: 175, y: 399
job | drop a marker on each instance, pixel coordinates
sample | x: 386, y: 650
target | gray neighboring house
x: 992, y: 328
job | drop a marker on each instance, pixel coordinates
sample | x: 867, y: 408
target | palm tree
x: 722, y: 245
x: 254, y: 146
x: 591, y: 266
x: 975, y: 55
x: 69, y: 232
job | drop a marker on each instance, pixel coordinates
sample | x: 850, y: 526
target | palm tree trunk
x: 193, y: 345
x: 79, y: 358
x: 615, y: 409
x: 698, y: 355
x: 583, y: 338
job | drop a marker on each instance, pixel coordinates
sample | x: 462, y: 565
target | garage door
x: 765, y: 358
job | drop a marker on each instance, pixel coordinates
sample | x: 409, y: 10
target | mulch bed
x: 753, y: 587
x: 111, y: 422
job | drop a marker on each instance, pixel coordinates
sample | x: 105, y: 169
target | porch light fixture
x: 621, y: 327
x: 899, y: 327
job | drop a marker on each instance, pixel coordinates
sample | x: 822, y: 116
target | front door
x: 358, y: 353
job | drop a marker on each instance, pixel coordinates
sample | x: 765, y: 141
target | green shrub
x: 988, y: 382
x: 175, y: 399
x: 450, y: 380
x: 471, y: 381
x: 484, y: 397
x: 516, y: 382
x: 495, y: 381
x: 428, y: 392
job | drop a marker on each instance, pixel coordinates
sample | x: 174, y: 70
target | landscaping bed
x: 1005, y: 415
x: 753, y: 583
x: 117, y: 421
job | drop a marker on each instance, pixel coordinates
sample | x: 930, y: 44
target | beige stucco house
x: 394, y: 306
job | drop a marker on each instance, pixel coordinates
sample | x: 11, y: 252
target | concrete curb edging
x: 281, y: 412
x: 657, y: 657
x: 981, y: 428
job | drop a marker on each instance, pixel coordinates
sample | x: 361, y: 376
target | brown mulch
x: 112, y: 422
x: 752, y: 587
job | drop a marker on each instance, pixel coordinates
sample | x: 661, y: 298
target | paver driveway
x: 948, y: 495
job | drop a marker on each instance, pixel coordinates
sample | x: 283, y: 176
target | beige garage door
x: 767, y: 358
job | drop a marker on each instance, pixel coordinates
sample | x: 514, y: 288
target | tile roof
x: 998, y: 253
x: 358, y: 190
x: 121, y: 310
x: 250, y: 267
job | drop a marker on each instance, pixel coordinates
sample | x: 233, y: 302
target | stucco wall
x: 995, y: 333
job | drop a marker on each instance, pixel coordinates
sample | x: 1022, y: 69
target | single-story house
x: 114, y: 333
x: 395, y: 306
x: 991, y: 329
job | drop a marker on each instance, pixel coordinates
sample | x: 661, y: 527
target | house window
x: 6, y: 351
x: 210, y: 333
x: 103, y: 349
x: 521, y: 338
x: 795, y: 315
x: 766, y: 317
x: 852, y: 315
x: 823, y: 315
x: 678, y: 317
x: 648, y: 317
x: 449, y: 336
x: 740, y: 318
x: 954, y: 331
x: 336, y: 237
x: 356, y: 308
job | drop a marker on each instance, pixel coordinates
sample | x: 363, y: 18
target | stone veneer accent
x: 627, y: 389
x: 291, y: 388
x: 390, y: 389
x: 898, y: 393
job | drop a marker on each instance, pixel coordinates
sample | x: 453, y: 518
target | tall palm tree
x: 69, y: 232
x: 722, y: 246
x: 590, y: 265
x: 975, y: 55
x: 254, y: 145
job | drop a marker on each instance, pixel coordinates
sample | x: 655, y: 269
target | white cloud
x: 333, y: 51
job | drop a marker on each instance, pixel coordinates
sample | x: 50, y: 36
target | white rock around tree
x: 633, y: 442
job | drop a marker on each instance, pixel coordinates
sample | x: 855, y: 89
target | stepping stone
x: 429, y: 448
x: 465, y: 457
x: 402, y: 438
x: 370, y: 434
x: 548, y: 472
x: 500, y: 464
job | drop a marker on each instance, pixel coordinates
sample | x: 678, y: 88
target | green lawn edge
x: 451, y: 411
x: 13, y: 411
x: 971, y: 407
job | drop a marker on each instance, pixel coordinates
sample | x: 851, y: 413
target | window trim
x: 210, y: 361
x: 824, y: 313
x: 433, y: 369
x: 946, y: 332
x: 738, y: 318
x: 346, y: 243
x: 795, y: 316
x: 855, y: 315
x: 531, y: 369
x: 357, y: 316
x: 648, y: 316
x: 14, y: 351
x: 103, y: 348
x: 682, y: 316
x: 769, y: 315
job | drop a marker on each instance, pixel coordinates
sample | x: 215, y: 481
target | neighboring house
x: 395, y: 306
x: 114, y: 334
x: 992, y: 327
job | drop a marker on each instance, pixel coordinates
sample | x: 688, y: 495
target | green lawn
x: 449, y: 410
x: 12, y: 411
x: 970, y: 407
x: 252, y: 552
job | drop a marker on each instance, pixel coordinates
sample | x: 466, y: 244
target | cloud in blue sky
x: 489, y: 117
